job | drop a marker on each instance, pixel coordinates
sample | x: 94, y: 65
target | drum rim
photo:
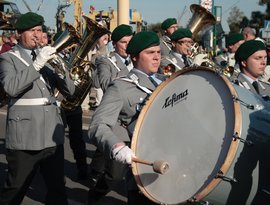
x: 232, y: 148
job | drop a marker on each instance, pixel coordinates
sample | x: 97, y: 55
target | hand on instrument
x: 123, y: 154
x: 45, y: 54
x: 200, y: 58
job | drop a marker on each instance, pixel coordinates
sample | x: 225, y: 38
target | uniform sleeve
x: 104, y: 73
x: 104, y: 119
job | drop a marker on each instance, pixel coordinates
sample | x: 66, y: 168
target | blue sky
x: 152, y: 11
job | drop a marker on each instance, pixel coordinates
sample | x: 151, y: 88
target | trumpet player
x: 178, y: 57
x: 35, y: 130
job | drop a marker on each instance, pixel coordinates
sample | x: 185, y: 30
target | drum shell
x: 254, y: 129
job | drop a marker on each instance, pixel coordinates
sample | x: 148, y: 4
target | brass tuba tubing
x: 81, y: 68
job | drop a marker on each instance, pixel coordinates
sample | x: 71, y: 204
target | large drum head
x: 188, y: 122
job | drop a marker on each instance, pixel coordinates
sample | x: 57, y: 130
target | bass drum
x: 212, y: 133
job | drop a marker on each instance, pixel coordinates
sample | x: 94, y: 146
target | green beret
x: 141, y: 41
x: 121, y: 31
x: 233, y: 38
x: 247, y: 48
x: 28, y: 20
x: 181, y: 33
x: 167, y: 23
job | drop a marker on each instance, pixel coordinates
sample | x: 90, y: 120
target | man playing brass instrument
x: 35, y: 130
x: 178, y: 58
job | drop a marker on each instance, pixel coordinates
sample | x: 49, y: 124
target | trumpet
x: 168, y: 70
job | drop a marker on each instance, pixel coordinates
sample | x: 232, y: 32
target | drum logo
x: 175, y: 98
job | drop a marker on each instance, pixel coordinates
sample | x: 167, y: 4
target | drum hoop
x: 232, y: 149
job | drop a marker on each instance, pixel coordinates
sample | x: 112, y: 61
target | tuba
x: 201, y: 19
x: 81, y: 69
x: 69, y: 37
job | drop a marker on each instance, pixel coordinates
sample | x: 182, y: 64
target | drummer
x: 113, y: 120
x: 251, y: 57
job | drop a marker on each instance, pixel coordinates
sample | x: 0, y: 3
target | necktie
x: 126, y: 62
x: 34, y: 55
x: 256, y: 86
x: 185, y: 60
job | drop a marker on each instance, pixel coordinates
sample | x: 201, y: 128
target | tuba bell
x: 201, y: 19
x: 69, y: 37
x: 81, y: 69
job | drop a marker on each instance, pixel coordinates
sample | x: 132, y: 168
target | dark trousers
x: 77, y: 144
x: 22, y: 167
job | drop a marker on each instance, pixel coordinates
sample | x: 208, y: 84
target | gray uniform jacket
x: 32, y: 127
x: 165, y: 45
x: 120, y: 106
x: 264, y: 88
x: 108, y: 71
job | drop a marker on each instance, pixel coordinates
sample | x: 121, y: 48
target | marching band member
x: 181, y: 44
x: 112, y: 121
x: 35, y: 130
x: 168, y: 26
x: 232, y: 41
x: 178, y: 57
x: 117, y: 63
x: 251, y: 57
x: 109, y: 67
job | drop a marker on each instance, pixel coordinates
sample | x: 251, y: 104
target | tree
x: 235, y: 19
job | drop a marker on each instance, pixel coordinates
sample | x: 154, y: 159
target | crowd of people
x: 123, y: 78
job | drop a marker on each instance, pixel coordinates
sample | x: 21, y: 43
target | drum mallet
x: 159, y: 166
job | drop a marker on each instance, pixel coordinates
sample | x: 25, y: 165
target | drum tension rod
x: 247, y: 142
x: 224, y: 178
x: 249, y: 106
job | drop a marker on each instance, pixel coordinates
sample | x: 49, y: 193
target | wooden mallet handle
x: 159, y: 166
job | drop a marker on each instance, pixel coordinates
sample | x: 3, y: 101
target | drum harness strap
x: 133, y: 78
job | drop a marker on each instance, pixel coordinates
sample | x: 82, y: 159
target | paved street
x: 76, y: 190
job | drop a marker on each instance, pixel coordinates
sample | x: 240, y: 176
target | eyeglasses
x: 185, y: 42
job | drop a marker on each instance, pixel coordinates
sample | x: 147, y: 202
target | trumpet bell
x: 228, y: 71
